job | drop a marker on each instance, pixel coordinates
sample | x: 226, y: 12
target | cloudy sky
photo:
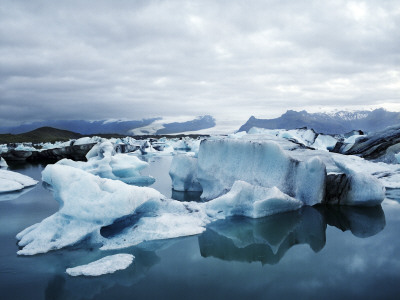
x: 231, y: 59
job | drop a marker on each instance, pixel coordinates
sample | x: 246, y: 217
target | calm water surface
x: 313, y: 253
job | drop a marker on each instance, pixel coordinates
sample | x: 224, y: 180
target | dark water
x: 313, y: 253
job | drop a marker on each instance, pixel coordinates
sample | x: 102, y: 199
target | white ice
x: 251, y: 201
x: 183, y: 172
x: 22, y: 147
x: 87, y: 202
x: 366, y: 190
x: 105, y: 265
x: 89, y: 140
x: 264, y: 163
x: 3, y: 163
x: 104, y: 162
x: 12, y: 181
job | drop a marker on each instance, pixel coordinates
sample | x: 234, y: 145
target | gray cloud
x: 231, y: 59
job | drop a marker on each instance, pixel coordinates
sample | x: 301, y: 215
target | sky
x: 99, y: 59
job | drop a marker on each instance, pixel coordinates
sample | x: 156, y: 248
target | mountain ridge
x: 336, y: 123
x: 115, y: 127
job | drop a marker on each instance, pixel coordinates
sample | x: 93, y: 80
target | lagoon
x: 312, y: 253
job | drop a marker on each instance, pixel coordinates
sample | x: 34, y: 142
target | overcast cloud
x: 231, y: 59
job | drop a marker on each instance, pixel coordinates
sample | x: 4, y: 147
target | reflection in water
x: 16, y: 194
x: 267, y: 239
x: 361, y: 221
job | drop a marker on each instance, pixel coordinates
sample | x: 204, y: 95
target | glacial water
x: 313, y: 253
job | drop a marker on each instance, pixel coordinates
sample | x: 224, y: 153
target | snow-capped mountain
x: 140, y: 127
x: 331, y: 123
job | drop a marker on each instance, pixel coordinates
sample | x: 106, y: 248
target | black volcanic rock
x: 338, y: 123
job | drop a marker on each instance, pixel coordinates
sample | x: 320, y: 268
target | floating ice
x: 89, y: 140
x: 87, y: 202
x: 324, y: 142
x: 304, y: 136
x: 3, y: 163
x: 13, y: 181
x: 183, y: 173
x: 397, y: 156
x: 364, y: 189
x: 262, y: 163
x: 105, y: 265
x: 22, y: 147
x: 251, y: 201
x: 103, y: 161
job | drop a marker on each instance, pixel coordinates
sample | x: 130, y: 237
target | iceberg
x: 104, y: 162
x: 105, y: 265
x: 251, y: 201
x: 87, y: 203
x: 263, y: 163
x: 183, y: 172
x: 3, y: 163
x: 12, y: 181
x: 355, y: 188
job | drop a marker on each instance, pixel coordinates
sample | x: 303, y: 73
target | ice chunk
x: 105, y: 265
x: 89, y: 140
x: 263, y: 163
x: 87, y: 202
x: 13, y: 181
x: 251, y: 201
x: 324, y: 142
x: 311, y: 178
x: 22, y: 147
x: 362, y: 189
x: 397, y: 156
x: 104, y: 162
x: 183, y: 173
x: 3, y: 163
x: 304, y: 136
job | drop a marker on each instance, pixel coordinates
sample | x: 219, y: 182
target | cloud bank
x: 231, y: 59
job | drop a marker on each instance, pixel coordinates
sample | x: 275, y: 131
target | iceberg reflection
x: 266, y: 240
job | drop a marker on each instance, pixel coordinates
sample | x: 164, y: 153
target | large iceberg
x: 104, y: 162
x: 12, y: 181
x: 264, y: 163
x: 301, y: 175
x: 87, y: 202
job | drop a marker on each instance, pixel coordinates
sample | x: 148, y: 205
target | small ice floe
x: 13, y: 181
x: 105, y: 265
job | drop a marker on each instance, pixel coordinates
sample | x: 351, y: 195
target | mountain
x: 82, y: 126
x: 43, y: 134
x: 161, y: 127
x: 199, y: 123
x: 145, y: 126
x: 339, y: 122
